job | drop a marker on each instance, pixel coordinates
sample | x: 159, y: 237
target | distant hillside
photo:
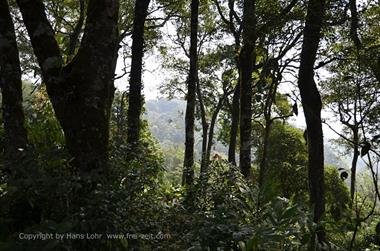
x: 332, y: 158
x: 167, y: 122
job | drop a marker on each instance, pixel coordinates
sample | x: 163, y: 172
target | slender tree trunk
x: 121, y: 121
x: 312, y: 105
x: 135, y: 85
x: 212, y: 127
x: 354, y: 25
x: 354, y: 163
x: 234, y: 125
x: 235, y: 112
x: 81, y: 92
x: 74, y: 37
x: 188, y: 171
x: 247, y: 62
x: 270, y: 99
x: 208, y: 132
x: 375, y: 67
x: 204, y: 129
x: 264, y: 159
x: 11, y: 88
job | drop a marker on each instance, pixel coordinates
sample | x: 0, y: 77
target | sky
x: 152, y: 77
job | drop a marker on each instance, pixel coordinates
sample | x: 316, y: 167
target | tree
x: 135, y: 85
x: 272, y: 17
x: 81, y: 91
x: 13, y: 115
x: 214, y: 80
x: 272, y: 99
x: 286, y: 162
x: 212, y: 91
x: 352, y: 94
x: 236, y: 31
x: 367, y: 53
x: 271, y: 105
x: 247, y: 60
x: 312, y: 105
x: 11, y: 87
x: 188, y: 164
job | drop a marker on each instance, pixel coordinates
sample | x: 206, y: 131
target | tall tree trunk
x: 264, y: 158
x: 270, y: 99
x: 212, y: 127
x: 188, y: 171
x: 82, y: 91
x: 312, y: 105
x: 354, y: 26
x: 354, y: 162
x: 375, y: 67
x: 234, y: 125
x: 236, y: 32
x: 22, y: 213
x: 247, y: 62
x: 204, y: 129
x: 11, y: 88
x: 135, y: 85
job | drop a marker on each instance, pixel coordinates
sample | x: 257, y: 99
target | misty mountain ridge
x: 166, y: 119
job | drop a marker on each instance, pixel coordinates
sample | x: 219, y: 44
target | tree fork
x: 82, y: 91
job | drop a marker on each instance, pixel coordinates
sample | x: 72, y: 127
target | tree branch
x: 42, y: 38
x: 74, y: 37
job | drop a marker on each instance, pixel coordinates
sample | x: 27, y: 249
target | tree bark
x: 234, y: 126
x: 135, y: 84
x: 235, y: 116
x: 354, y: 26
x: 354, y: 162
x: 11, y: 88
x: 264, y: 158
x: 22, y: 213
x: 188, y: 171
x: 312, y: 105
x: 212, y: 127
x: 204, y: 129
x: 270, y: 99
x: 247, y: 62
x: 74, y: 37
x: 82, y: 91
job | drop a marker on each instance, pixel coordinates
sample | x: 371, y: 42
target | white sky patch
x: 152, y: 77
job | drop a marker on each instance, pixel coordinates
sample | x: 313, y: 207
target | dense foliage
x: 224, y: 161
